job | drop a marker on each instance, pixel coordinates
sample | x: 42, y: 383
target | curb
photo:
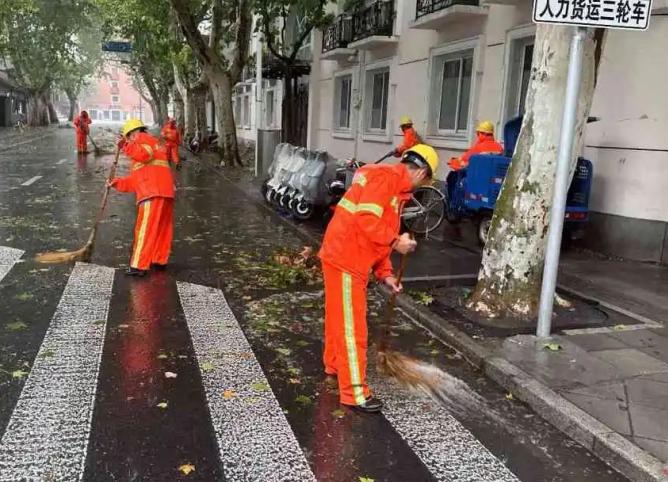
x: 624, y: 456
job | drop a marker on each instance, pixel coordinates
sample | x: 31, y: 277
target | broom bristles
x: 57, y: 257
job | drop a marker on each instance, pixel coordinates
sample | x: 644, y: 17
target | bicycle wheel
x: 425, y: 211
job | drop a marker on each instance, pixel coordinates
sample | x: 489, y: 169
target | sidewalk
x: 608, y: 385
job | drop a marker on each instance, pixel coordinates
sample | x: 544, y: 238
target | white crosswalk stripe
x: 254, y: 437
x: 47, y: 435
x: 8, y: 258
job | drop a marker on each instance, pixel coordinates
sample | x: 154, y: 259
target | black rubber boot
x: 135, y: 272
x: 372, y: 405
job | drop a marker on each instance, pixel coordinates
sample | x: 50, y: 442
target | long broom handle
x: 92, y: 141
x: 389, y: 308
x: 105, y: 196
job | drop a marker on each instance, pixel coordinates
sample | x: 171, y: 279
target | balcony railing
x: 426, y: 7
x: 376, y: 19
x: 338, y: 34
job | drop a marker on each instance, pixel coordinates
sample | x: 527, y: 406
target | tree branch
x: 242, y: 40
x: 216, y: 24
x: 200, y: 49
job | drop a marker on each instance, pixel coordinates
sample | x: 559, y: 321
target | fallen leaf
x: 123, y: 326
x: 338, y: 413
x: 162, y: 356
x: 186, y: 469
x: 207, y: 367
x: 16, y: 326
x: 170, y: 375
x: 47, y: 354
x: 294, y: 381
x: 366, y: 479
x: 284, y: 351
x: 162, y: 405
x: 509, y: 396
x: 229, y: 394
x: 99, y: 322
x: 618, y: 327
x: 552, y: 346
x: 260, y: 387
x: 23, y: 297
x: 303, y: 400
x: 19, y: 374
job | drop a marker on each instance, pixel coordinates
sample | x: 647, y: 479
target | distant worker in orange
x: 411, y: 137
x: 359, y: 239
x: 81, y: 126
x: 151, y: 181
x: 484, y: 144
x: 170, y: 133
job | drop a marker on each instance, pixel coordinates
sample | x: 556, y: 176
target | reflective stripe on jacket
x: 366, y: 222
x: 150, y: 174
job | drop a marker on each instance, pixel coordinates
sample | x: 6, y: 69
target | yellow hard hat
x: 406, y: 121
x: 132, y: 125
x: 485, y: 126
x: 421, y: 153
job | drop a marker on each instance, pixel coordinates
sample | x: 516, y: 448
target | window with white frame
x: 376, y: 94
x: 452, y: 79
x: 519, y: 74
x: 343, y: 87
x: 269, y: 102
x: 115, y: 100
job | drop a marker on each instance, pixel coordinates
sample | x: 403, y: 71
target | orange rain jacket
x: 81, y: 124
x: 151, y: 175
x: 485, y: 144
x: 366, y: 222
x: 170, y: 132
x: 411, y: 138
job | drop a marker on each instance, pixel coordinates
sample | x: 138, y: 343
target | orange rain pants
x: 346, y: 333
x: 82, y: 141
x: 153, y: 232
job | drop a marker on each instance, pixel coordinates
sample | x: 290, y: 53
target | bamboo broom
x: 86, y: 251
x: 408, y: 371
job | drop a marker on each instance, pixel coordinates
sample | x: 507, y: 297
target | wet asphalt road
x: 143, y: 425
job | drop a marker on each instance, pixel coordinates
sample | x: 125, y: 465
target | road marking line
x: 408, y: 279
x: 8, y: 258
x: 445, y: 446
x: 62, y: 161
x: 254, y: 437
x: 31, y: 180
x: 47, y: 435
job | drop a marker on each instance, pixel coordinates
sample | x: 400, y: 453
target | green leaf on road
x: 47, y: 354
x: 366, y: 479
x: 304, y: 400
x: 207, y: 367
x: 552, y: 346
x: 23, y: 297
x: 162, y: 405
x: 19, y: 374
x: 618, y: 327
x: 284, y: 351
x: 16, y: 326
x: 260, y: 387
x: 338, y: 413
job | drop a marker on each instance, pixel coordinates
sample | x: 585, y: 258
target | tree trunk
x: 199, y: 113
x: 221, y: 90
x: 38, y: 111
x: 53, y: 114
x: 187, y: 98
x: 71, y: 96
x: 510, y: 277
x: 178, y: 108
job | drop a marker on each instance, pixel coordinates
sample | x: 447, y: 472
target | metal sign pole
x: 558, y: 210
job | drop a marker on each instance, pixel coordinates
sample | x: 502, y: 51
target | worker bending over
x: 151, y: 181
x: 360, y: 239
x: 411, y: 137
x: 81, y: 126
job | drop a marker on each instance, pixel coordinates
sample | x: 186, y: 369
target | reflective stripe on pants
x: 346, y: 333
x: 153, y: 232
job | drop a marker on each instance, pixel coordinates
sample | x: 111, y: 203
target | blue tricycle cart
x: 472, y: 192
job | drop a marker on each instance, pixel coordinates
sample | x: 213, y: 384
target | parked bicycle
x: 422, y: 214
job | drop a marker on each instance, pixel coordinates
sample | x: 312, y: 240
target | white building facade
x: 449, y: 64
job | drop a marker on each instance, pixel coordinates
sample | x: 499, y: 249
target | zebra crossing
x: 47, y: 436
